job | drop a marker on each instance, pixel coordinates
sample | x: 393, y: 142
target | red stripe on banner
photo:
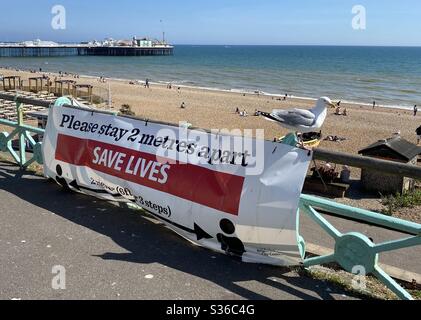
x: 217, y: 190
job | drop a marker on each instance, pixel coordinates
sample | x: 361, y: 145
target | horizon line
x: 302, y: 45
x: 262, y: 45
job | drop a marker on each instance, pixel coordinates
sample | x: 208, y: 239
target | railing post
x: 22, y: 141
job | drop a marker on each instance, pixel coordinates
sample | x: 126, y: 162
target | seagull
x: 301, y: 120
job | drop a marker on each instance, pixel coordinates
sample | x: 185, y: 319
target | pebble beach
x: 215, y: 109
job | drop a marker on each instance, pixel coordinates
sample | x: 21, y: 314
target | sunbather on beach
x: 338, y: 111
x: 334, y: 138
x: 418, y: 132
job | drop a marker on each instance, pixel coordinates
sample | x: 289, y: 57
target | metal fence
x: 22, y: 133
x: 354, y: 251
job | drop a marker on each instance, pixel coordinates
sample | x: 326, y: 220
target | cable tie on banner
x: 274, y: 150
x: 146, y: 122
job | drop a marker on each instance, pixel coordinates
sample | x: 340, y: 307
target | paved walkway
x: 114, y: 253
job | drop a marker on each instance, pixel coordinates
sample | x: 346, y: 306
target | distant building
x: 393, y: 149
x: 144, y: 43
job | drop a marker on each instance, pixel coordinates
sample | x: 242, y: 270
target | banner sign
x: 232, y: 194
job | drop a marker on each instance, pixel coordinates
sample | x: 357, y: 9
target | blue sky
x: 273, y: 22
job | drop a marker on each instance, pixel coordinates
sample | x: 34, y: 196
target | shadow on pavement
x: 153, y: 243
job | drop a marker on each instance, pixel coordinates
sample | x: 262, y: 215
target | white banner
x: 228, y: 193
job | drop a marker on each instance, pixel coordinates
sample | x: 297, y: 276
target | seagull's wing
x: 295, y: 117
x: 305, y: 113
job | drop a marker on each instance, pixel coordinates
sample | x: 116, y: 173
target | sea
x: 391, y: 76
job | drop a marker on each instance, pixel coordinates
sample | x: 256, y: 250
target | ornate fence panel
x: 355, y: 250
x: 22, y: 132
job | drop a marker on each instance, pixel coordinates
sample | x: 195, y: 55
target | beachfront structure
x: 39, y: 83
x: 393, y: 149
x: 50, y: 88
x: 59, y: 87
x: 88, y: 95
x: 108, y: 47
x: 11, y: 83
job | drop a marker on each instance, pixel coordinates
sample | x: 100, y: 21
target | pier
x: 109, y: 47
x: 61, y: 51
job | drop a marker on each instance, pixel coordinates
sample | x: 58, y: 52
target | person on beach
x: 374, y: 104
x: 237, y: 110
x: 338, y: 111
x: 415, y: 110
x: 147, y: 83
x: 183, y: 105
x: 418, y: 132
x: 339, y: 103
x: 256, y: 113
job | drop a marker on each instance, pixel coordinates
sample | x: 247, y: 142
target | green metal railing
x: 23, y: 134
x: 351, y: 249
x: 354, y: 251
